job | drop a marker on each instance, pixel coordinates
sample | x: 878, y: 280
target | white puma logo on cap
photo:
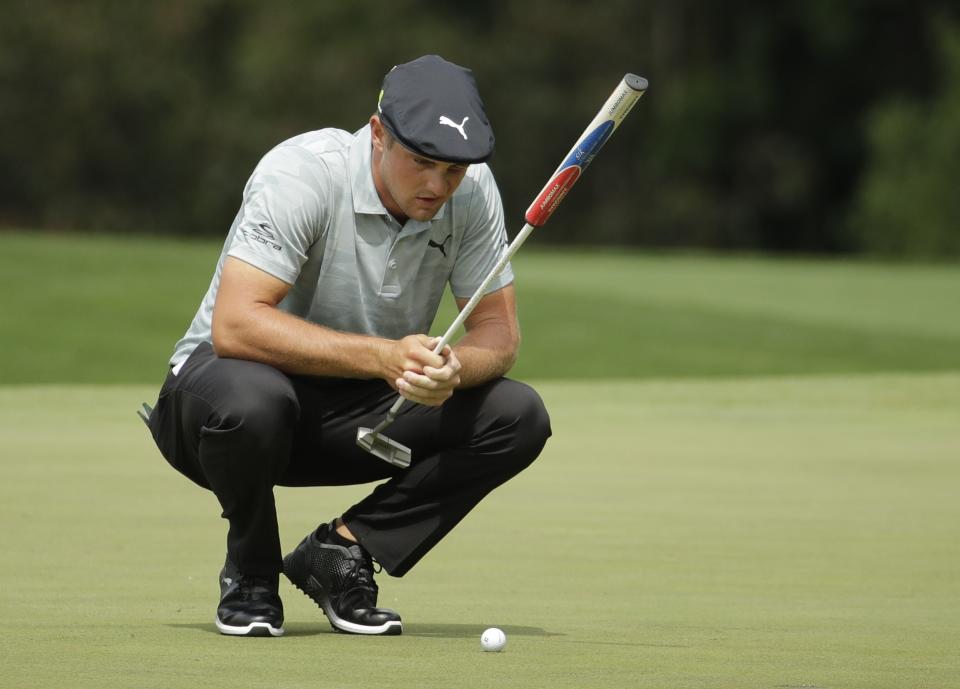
x: 459, y: 127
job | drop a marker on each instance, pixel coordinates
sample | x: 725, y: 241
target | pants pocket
x: 165, y: 427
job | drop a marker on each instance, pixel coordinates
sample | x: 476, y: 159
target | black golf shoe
x: 249, y: 606
x: 340, y: 580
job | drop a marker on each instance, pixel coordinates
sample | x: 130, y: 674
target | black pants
x: 239, y: 428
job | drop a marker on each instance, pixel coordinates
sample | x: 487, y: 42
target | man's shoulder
x: 478, y: 172
x: 321, y: 141
x: 314, y: 157
x: 478, y: 183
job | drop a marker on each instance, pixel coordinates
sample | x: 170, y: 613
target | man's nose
x: 437, y: 183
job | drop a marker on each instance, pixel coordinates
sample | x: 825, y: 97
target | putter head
x: 379, y: 445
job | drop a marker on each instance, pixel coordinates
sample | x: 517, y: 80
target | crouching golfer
x: 332, y: 271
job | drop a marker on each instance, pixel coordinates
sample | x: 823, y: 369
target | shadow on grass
x: 444, y: 630
x: 304, y: 629
x: 423, y: 629
x: 441, y: 630
x: 472, y: 631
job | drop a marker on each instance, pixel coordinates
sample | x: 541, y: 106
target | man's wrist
x: 381, y: 358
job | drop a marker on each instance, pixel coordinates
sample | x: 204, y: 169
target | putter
x: 616, y: 108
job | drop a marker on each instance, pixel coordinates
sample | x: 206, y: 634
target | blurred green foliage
x: 909, y: 205
x: 143, y: 116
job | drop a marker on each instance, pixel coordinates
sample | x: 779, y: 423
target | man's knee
x: 534, y: 419
x: 522, y: 419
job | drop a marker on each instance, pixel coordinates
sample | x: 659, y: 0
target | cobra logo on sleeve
x: 262, y: 234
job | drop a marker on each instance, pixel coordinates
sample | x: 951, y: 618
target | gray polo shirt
x: 311, y: 217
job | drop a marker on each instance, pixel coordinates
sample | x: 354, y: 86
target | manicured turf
x: 109, y: 309
x: 752, y: 484
x: 768, y: 533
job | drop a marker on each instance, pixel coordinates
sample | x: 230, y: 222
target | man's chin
x: 422, y: 214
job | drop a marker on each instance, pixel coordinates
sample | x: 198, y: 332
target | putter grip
x: 618, y: 105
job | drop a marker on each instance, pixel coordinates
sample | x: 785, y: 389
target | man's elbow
x: 225, y: 338
x: 512, y: 352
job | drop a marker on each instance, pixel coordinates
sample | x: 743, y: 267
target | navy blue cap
x: 432, y: 107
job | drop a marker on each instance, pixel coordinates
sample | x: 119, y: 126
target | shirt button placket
x: 391, y: 283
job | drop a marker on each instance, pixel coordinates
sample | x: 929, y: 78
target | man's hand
x: 418, y: 374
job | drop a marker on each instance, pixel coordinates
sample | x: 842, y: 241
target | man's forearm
x: 293, y: 345
x: 485, y: 354
x: 490, y: 347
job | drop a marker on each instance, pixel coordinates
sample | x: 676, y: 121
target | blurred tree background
x: 809, y: 126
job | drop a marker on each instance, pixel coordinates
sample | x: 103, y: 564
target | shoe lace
x: 360, y: 586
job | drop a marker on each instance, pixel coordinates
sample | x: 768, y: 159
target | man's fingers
x: 430, y: 375
x: 420, y: 395
x: 425, y: 377
x: 446, y: 375
x: 419, y: 352
x: 418, y: 381
x: 429, y: 342
x: 445, y: 379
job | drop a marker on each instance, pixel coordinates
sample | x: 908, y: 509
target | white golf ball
x: 493, y: 640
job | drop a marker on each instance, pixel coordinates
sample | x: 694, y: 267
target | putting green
x: 770, y: 532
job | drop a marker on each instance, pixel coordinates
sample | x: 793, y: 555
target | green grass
x: 757, y: 533
x: 109, y: 309
x: 752, y: 485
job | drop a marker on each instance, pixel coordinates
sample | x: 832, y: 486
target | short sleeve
x: 282, y: 213
x: 484, y: 240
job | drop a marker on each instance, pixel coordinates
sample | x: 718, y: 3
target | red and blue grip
x: 585, y: 150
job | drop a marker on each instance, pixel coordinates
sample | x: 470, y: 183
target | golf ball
x: 493, y: 639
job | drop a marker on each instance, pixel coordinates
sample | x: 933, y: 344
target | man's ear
x: 376, y: 133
